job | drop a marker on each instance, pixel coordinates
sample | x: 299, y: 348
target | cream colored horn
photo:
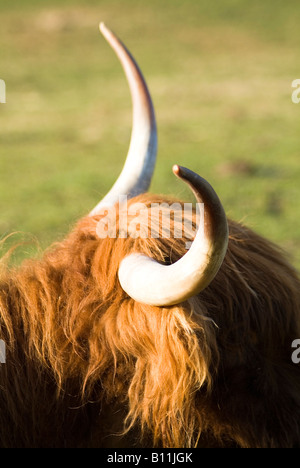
x: 137, y: 172
x: 149, y: 282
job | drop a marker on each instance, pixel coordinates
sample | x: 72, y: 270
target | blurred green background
x: 220, y: 73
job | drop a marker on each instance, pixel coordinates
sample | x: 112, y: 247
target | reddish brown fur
x: 86, y: 363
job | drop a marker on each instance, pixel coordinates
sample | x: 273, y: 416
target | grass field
x: 220, y: 74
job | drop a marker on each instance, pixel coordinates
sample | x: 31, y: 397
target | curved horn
x: 149, y: 282
x: 136, y: 175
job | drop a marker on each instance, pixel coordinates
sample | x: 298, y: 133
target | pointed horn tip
x: 182, y: 172
x: 176, y: 170
x: 104, y: 29
x: 102, y: 26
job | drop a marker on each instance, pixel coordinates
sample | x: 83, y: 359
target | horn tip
x: 176, y: 170
x: 103, y: 28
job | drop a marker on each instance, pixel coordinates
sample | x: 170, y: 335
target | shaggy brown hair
x: 88, y: 366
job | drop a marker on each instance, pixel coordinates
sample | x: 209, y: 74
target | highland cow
x: 133, y: 341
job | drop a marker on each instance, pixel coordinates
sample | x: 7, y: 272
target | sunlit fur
x: 88, y: 366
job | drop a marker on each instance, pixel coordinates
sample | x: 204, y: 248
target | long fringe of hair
x: 215, y: 368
